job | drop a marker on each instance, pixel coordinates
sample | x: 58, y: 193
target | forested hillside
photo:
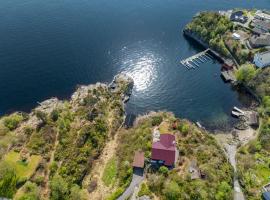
x: 46, y: 154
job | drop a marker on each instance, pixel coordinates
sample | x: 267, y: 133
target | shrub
x: 156, y: 183
x: 41, y: 115
x: 30, y: 192
x: 172, y: 191
x: 144, y: 190
x: 184, y: 128
x: 53, y: 167
x: 245, y: 73
x: 54, y: 115
x: 156, y: 120
x: 3, y: 130
x: 39, y: 180
x: 76, y: 193
x: 8, y: 180
x: 223, y: 190
x: 12, y: 121
x: 28, y: 130
x: 163, y: 170
x: 59, y: 188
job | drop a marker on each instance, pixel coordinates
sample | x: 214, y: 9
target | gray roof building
x: 262, y: 15
x: 263, y: 26
x: 260, y: 41
x: 238, y: 16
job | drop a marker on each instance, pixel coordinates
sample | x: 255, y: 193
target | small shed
x: 228, y: 65
x: 138, y: 161
x: 254, y: 119
x: 236, y: 36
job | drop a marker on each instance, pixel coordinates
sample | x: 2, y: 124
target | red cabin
x: 164, y: 150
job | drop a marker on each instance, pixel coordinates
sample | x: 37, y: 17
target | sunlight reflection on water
x: 142, y: 70
x: 141, y: 65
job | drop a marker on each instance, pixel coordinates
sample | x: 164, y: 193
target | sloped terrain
x: 49, y: 152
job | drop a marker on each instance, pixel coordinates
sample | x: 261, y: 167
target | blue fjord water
x: 49, y: 47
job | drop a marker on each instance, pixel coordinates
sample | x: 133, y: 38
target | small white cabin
x: 236, y: 36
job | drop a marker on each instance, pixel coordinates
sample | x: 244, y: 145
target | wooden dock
x: 194, y: 61
x: 228, y: 76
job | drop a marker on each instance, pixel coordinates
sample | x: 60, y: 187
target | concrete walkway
x: 137, y: 178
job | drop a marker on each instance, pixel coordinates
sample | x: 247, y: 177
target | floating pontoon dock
x: 194, y: 61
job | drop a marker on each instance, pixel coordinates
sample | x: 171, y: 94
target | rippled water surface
x: 49, y: 47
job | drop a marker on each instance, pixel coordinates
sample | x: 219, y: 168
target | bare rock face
x: 49, y: 105
x: 122, y: 83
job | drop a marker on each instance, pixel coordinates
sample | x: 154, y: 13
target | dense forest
x: 216, y: 31
x: 211, y: 28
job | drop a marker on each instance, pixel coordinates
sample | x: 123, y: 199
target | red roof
x: 164, y: 149
x: 138, y: 160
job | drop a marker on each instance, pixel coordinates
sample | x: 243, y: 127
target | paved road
x: 137, y: 178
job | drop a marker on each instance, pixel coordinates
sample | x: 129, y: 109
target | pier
x: 228, y: 76
x: 194, y: 61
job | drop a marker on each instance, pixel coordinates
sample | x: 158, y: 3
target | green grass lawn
x: 109, y: 174
x: 23, y: 169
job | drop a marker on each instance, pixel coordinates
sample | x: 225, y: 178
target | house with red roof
x: 164, y: 151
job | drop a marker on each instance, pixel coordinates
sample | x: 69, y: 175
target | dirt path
x: 231, y: 152
x: 96, y: 173
x: 230, y: 143
x: 46, y: 178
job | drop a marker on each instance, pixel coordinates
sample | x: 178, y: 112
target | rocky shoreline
x: 82, y: 91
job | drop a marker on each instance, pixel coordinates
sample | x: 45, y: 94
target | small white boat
x: 199, y: 124
x: 236, y: 114
x: 238, y: 110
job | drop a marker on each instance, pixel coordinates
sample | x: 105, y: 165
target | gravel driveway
x: 137, y: 178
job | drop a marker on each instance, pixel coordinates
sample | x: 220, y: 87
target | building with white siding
x: 262, y: 16
x: 262, y: 59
